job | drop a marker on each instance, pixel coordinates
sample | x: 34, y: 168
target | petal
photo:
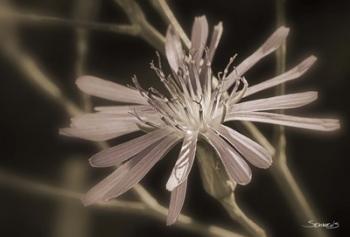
x: 98, y: 192
x: 286, y: 120
x: 184, y: 163
x: 199, y: 38
x: 114, y: 156
x: 173, y: 49
x: 270, y: 45
x: 276, y: 102
x: 293, y: 73
x: 125, y: 109
x: 91, y: 120
x: 177, y: 200
x: 141, y: 167
x: 101, y: 131
x: 214, y: 42
x: 109, y: 90
x: 250, y: 150
x: 236, y: 168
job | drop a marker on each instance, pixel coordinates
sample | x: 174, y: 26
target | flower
x: 193, y: 107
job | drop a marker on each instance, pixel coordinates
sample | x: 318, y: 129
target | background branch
x: 157, y: 212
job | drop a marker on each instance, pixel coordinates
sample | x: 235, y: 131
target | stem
x: 218, y: 185
x: 84, y: 10
x: 236, y: 213
x: 168, y: 16
x: 280, y: 170
x: 157, y: 212
x: 37, y: 77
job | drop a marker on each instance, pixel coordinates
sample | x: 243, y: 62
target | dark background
x: 31, y: 147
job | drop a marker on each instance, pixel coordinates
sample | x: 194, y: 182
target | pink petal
x: 293, y: 73
x: 286, y: 120
x: 114, y: 156
x: 270, y: 45
x: 173, y: 49
x: 101, y: 131
x: 214, y: 42
x: 236, y: 168
x: 177, y: 200
x: 109, y: 90
x: 199, y: 38
x: 98, y: 192
x: 141, y: 167
x: 250, y: 150
x: 276, y: 102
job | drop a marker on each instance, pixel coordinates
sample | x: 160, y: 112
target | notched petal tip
x: 246, y: 180
x: 64, y: 132
x: 82, y: 80
x: 306, y: 64
x: 275, y: 40
x: 170, y: 222
x: 331, y: 124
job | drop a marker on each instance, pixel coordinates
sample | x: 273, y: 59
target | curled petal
x: 286, y: 120
x: 184, y: 163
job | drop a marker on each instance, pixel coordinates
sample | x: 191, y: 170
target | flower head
x: 194, y: 106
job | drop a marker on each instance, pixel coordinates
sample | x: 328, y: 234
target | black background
x: 31, y: 147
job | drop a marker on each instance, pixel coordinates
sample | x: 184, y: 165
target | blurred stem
x: 280, y: 170
x: 156, y: 211
x: 84, y: 10
x: 138, y: 19
x: 168, y: 16
x: 72, y: 220
x: 27, y: 18
x: 36, y: 76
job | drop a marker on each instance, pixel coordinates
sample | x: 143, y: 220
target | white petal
x: 250, y: 150
x: 184, y: 163
x: 141, y: 167
x: 270, y: 45
x: 109, y: 90
x: 199, y: 38
x: 286, y: 120
x: 293, y: 73
x: 116, y: 155
x: 176, y: 202
x: 236, y: 168
x: 277, y: 102
x: 173, y: 49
